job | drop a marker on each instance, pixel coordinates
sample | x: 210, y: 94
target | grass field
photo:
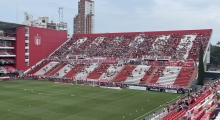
x: 51, y: 101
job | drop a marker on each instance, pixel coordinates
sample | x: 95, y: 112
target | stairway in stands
x: 95, y: 74
x: 74, y: 71
x: 33, y: 71
x: 156, y: 76
x: 55, y: 70
x: 124, y: 73
x: 184, y: 76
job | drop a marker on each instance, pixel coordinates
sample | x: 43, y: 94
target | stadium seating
x: 50, y: 70
x: 64, y: 48
x: 46, y: 68
x: 129, y: 74
x: 157, y: 75
x: 98, y: 71
x: 55, y: 69
x: 9, y: 69
x: 185, y: 76
x: 138, y: 74
x: 125, y: 72
x: 169, y: 75
x: 172, y: 45
x: 64, y: 70
x: 194, y: 52
x: 147, y: 75
x: 77, y: 68
x: 86, y: 71
x: 197, y: 108
x: 111, y: 72
x: 38, y: 67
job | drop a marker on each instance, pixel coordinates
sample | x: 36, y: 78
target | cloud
x: 159, y: 15
x: 126, y: 15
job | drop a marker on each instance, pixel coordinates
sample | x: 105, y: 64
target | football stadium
x: 48, y: 74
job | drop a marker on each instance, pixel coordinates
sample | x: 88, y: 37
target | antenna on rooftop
x: 17, y: 13
x: 60, y: 11
x: 52, y: 19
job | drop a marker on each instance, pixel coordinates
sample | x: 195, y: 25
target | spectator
x: 167, y: 106
x: 187, y: 115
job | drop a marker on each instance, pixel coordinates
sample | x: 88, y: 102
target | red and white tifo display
x: 145, y: 58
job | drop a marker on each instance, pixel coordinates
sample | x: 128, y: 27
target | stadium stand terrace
x: 146, y: 58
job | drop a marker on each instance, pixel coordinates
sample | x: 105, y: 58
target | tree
x: 201, y: 73
x: 218, y: 43
x: 1, y: 34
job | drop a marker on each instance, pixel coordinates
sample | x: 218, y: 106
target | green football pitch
x: 41, y: 100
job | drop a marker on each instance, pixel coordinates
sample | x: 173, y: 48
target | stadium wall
x: 49, y: 41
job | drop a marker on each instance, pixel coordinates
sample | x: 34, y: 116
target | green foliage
x: 1, y: 34
x: 201, y: 73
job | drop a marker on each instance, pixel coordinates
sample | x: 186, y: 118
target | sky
x: 124, y: 15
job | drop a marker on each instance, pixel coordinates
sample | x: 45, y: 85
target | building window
x: 26, y: 30
x: 27, y: 63
x: 26, y: 57
x: 26, y: 45
x: 26, y: 50
x: 26, y: 38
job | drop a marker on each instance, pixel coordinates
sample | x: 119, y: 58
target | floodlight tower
x: 60, y: 11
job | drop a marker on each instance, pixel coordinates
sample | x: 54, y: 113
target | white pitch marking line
x: 152, y: 110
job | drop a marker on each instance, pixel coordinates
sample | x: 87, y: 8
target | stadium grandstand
x: 160, y: 58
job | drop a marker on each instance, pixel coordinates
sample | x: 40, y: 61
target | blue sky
x: 126, y: 15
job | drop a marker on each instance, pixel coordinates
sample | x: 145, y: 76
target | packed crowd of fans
x: 177, y: 46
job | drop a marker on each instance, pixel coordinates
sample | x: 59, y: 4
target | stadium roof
x: 7, y: 25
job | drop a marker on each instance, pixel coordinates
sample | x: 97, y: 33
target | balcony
x: 7, y: 54
x: 26, y: 34
x: 26, y: 60
x: 7, y: 38
x: 6, y: 46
